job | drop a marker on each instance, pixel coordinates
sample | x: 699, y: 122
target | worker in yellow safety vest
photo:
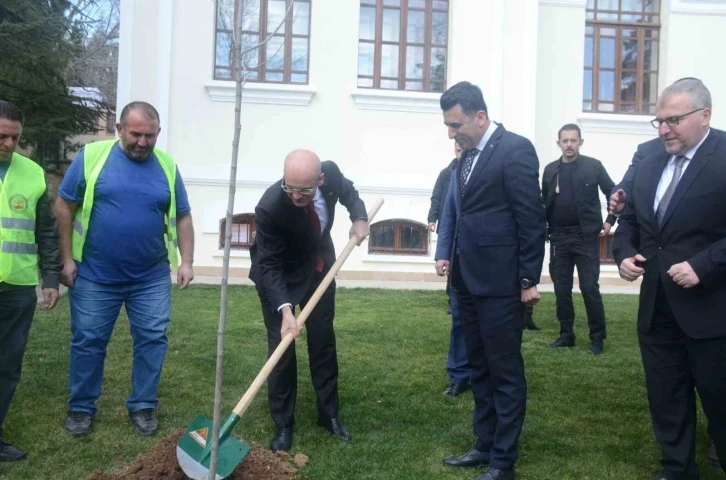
x: 28, y: 249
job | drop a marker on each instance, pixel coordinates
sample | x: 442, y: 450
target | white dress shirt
x: 482, y: 145
x: 321, y: 207
x: 667, y: 175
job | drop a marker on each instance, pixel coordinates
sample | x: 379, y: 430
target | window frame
x: 596, y: 24
x: 239, y: 219
x: 403, y: 45
x: 262, y: 35
x: 398, y: 224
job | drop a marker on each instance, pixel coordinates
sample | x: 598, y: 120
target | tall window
x: 283, y: 58
x: 243, y: 231
x: 399, y: 237
x: 402, y: 44
x: 621, y: 56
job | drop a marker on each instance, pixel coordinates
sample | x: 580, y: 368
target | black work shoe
x: 78, y: 424
x: 562, y: 342
x: 472, y: 458
x: 8, y: 453
x: 712, y: 455
x: 334, y: 426
x: 530, y: 325
x: 496, y: 474
x: 145, y: 421
x: 283, y: 440
x: 456, y: 389
x: 596, y: 347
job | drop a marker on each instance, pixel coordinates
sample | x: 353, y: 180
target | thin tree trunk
x: 239, y: 80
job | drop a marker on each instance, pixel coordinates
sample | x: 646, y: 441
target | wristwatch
x: 526, y: 283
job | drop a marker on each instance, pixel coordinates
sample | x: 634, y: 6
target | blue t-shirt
x: 4, y: 169
x: 125, y: 238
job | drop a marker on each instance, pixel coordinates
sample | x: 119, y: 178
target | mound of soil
x: 160, y: 463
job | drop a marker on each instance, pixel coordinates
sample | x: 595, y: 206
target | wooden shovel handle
x: 288, y: 338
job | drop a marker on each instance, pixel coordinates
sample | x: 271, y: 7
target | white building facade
x: 358, y: 82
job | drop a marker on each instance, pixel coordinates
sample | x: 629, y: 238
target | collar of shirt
x: 482, y: 145
x: 667, y: 175
x: 689, y: 154
x: 487, y: 135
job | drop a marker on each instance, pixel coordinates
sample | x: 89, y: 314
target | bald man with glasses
x: 293, y: 252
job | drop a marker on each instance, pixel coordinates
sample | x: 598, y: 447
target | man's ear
x: 321, y: 180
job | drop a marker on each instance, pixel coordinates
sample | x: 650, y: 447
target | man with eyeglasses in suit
x: 293, y: 252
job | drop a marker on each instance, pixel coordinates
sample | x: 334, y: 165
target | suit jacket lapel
x: 652, y: 186
x: 703, y: 155
x: 484, y: 156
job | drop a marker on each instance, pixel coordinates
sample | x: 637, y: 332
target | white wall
x: 526, y: 55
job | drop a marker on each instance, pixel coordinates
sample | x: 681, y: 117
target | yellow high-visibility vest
x: 23, y: 186
x: 94, y: 158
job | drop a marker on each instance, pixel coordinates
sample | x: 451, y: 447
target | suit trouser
x: 568, y: 250
x: 493, y: 334
x: 674, y: 364
x: 17, y: 307
x: 320, y: 336
x: 457, y: 363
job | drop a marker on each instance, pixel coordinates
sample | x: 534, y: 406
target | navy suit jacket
x: 498, y: 226
x: 693, y: 230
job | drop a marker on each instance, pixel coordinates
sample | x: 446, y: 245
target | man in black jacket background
x: 574, y: 217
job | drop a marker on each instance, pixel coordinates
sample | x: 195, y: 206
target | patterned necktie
x: 314, y: 220
x: 666, y: 199
x: 466, y: 169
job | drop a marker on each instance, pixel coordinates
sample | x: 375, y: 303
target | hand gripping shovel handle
x: 288, y: 339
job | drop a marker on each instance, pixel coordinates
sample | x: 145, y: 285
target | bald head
x: 302, y: 172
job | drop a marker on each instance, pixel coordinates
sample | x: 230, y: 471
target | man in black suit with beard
x: 293, y: 252
x: 673, y: 234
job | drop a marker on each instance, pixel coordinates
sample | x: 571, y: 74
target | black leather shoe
x: 562, y: 342
x: 8, y: 453
x: 712, y: 455
x: 472, y: 458
x: 78, y: 424
x: 283, y: 440
x: 456, y: 389
x: 596, y: 347
x: 334, y: 426
x: 145, y: 421
x: 496, y: 474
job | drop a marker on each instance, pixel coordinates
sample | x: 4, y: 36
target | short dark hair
x: 569, y: 127
x: 146, y: 108
x: 467, y: 95
x: 9, y: 111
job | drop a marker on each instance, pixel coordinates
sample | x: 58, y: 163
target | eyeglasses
x: 302, y: 191
x: 672, y: 121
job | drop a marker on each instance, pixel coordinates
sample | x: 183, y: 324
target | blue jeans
x: 94, y: 309
x: 457, y: 363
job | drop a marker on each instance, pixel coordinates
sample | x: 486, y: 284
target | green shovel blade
x: 193, y: 453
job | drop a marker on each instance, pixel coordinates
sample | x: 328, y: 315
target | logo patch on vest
x: 18, y: 203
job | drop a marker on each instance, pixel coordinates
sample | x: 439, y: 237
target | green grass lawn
x: 587, y: 417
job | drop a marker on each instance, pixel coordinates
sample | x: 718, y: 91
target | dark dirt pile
x: 160, y: 463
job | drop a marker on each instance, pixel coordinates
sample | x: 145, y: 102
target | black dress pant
x: 570, y: 248
x: 282, y: 382
x: 493, y: 335
x: 17, y: 306
x: 674, y: 364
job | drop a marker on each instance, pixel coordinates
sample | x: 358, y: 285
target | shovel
x: 195, y: 447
